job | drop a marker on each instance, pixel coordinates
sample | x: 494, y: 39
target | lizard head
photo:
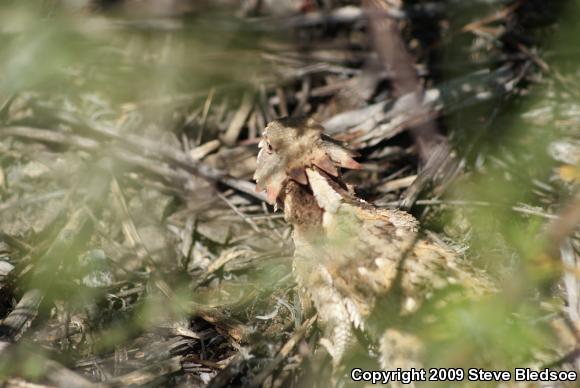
x: 291, y: 145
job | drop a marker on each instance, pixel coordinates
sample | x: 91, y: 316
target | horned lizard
x: 348, y: 253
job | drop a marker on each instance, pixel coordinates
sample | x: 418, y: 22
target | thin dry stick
x: 240, y: 118
x: 149, y: 374
x: 204, y: 115
x: 239, y: 213
x: 440, y: 202
x: 128, y: 225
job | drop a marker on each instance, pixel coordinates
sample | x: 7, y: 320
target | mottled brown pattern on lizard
x: 348, y: 253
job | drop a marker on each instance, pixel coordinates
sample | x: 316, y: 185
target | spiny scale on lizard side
x: 348, y: 253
